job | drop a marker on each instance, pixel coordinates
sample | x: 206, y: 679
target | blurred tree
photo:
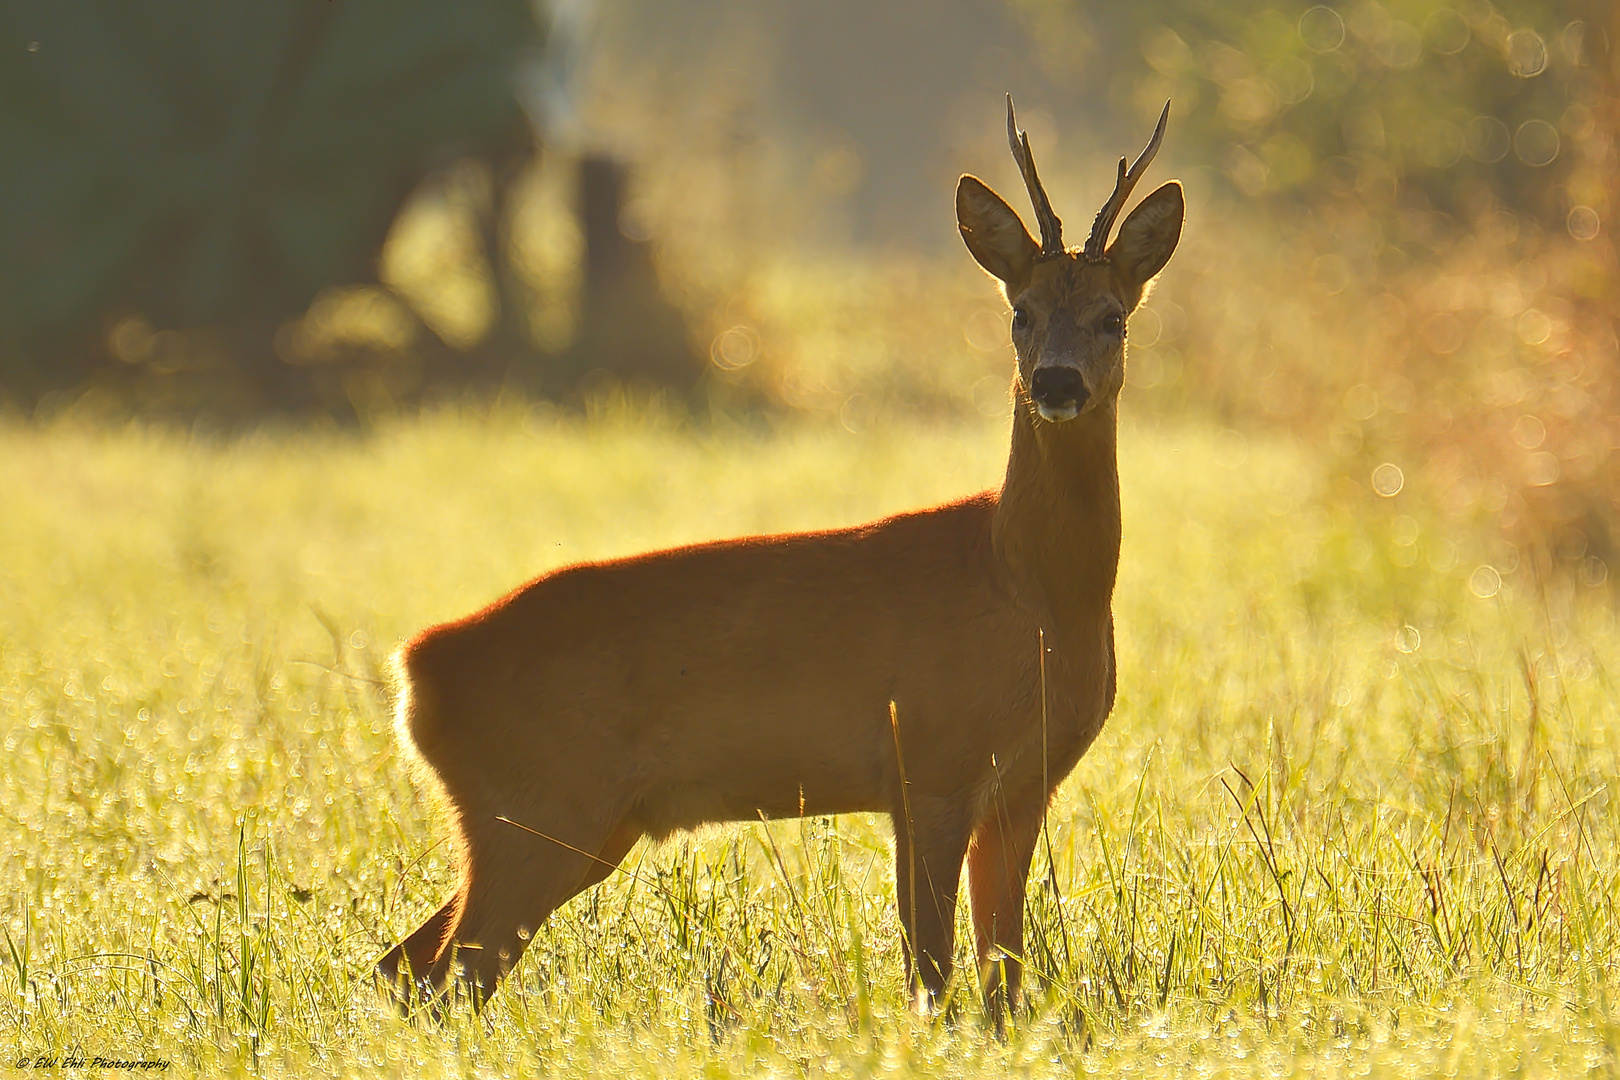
x: 627, y: 327
x: 208, y: 166
x: 1418, y: 103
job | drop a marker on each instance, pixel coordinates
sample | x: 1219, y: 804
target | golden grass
x: 1349, y: 815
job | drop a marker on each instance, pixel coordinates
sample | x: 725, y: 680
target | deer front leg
x: 929, y: 845
x: 998, y: 870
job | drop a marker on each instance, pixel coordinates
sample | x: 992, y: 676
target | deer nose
x: 1057, y: 387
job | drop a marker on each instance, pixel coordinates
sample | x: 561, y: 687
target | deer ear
x: 994, y: 235
x: 1149, y: 235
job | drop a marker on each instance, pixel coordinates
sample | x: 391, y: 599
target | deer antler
x: 1097, y: 242
x: 1051, y: 227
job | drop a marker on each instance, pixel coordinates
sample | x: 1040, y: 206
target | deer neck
x: 1057, y: 524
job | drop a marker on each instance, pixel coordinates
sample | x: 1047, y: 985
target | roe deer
x: 892, y: 667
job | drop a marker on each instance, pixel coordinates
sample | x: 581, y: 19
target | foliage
x: 1411, y: 102
x: 193, y: 166
x: 1355, y: 810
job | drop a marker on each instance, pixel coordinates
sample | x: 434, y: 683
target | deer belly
x: 781, y: 751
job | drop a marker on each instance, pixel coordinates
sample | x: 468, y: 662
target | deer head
x: 1070, y: 306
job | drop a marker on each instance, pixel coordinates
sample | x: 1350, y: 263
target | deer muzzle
x: 1059, y: 393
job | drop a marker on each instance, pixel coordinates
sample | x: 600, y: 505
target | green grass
x: 1348, y: 815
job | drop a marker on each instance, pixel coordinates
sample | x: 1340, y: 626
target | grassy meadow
x: 1355, y: 811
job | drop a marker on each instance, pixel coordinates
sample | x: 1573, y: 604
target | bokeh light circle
x: 1526, y: 53
x: 1321, y: 29
x: 1536, y: 143
x: 1583, y: 223
x: 1488, y: 140
x: 1485, y: 582
x: 1447, y: 32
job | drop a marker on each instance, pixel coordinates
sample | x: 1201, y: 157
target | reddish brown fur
x: 717, y: 682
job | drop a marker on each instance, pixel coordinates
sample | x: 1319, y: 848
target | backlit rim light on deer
x: 947, y: 666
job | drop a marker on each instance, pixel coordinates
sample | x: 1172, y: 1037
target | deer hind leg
x: 446, y: 931
x: 414, y: 956
x: 929, y: 846
x: 512, y: 880
x: 998, y: 873
x: 532, y: 824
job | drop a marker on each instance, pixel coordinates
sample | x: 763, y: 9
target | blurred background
x: 1399, y: 247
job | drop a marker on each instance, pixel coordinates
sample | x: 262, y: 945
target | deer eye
x: 1113, y: 322
x: 1020, y: 318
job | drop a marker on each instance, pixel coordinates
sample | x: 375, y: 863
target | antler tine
x: 1097, y: 242
x: 1051, y: 226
